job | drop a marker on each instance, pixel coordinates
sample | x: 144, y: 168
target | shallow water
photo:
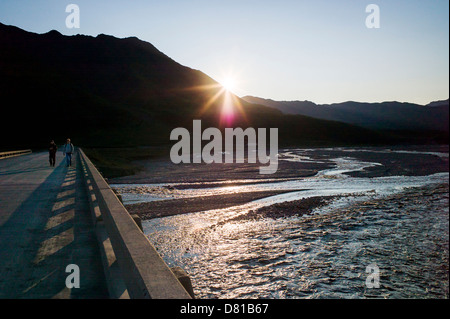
x: 399, y: 223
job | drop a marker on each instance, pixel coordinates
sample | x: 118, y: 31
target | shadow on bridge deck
x: 51, y: 229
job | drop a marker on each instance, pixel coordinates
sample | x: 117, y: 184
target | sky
x: 316, y: 50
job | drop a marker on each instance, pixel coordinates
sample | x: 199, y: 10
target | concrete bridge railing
x: 133, y: 267
x: 14, y: 153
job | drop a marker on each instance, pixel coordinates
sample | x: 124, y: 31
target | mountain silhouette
x: 379, y: 116
x: 105, y: 91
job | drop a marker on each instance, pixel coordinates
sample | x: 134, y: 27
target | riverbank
x: 176, y: 192
x: 395, y: 161
x: 164, y: 208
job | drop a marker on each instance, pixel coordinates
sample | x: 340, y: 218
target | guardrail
x: 14, y: 153
x: 133, y: 267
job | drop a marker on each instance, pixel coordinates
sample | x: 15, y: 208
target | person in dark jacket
x: 52, y: 153
x: 68, y: 150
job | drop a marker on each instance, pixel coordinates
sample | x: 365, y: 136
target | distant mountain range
x: 108, y: 92
x: 380, y: 116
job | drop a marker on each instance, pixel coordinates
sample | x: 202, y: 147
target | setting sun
x: 229, y: 84
x: 223, y: 92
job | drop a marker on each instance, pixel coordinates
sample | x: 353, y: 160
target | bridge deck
x: 45, y: 225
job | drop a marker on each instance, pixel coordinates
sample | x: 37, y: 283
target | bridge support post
x: 184, y: 279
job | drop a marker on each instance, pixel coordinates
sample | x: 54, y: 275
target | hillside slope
x: 380, y: 116
x: 108, y: 92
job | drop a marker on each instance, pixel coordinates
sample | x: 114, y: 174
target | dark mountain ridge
x: 108, y: 92
x: 380, y: 116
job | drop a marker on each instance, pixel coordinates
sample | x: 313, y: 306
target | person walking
x: 52, y: 153
x: 68, y: 151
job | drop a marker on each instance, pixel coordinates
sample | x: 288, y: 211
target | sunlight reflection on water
x: 321, y: 255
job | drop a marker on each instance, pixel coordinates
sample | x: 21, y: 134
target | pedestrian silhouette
x: 68, y: 150
x: 52, y: 153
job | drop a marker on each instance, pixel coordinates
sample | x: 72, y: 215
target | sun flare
x: 229, y: 84
x: 223, y: 91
